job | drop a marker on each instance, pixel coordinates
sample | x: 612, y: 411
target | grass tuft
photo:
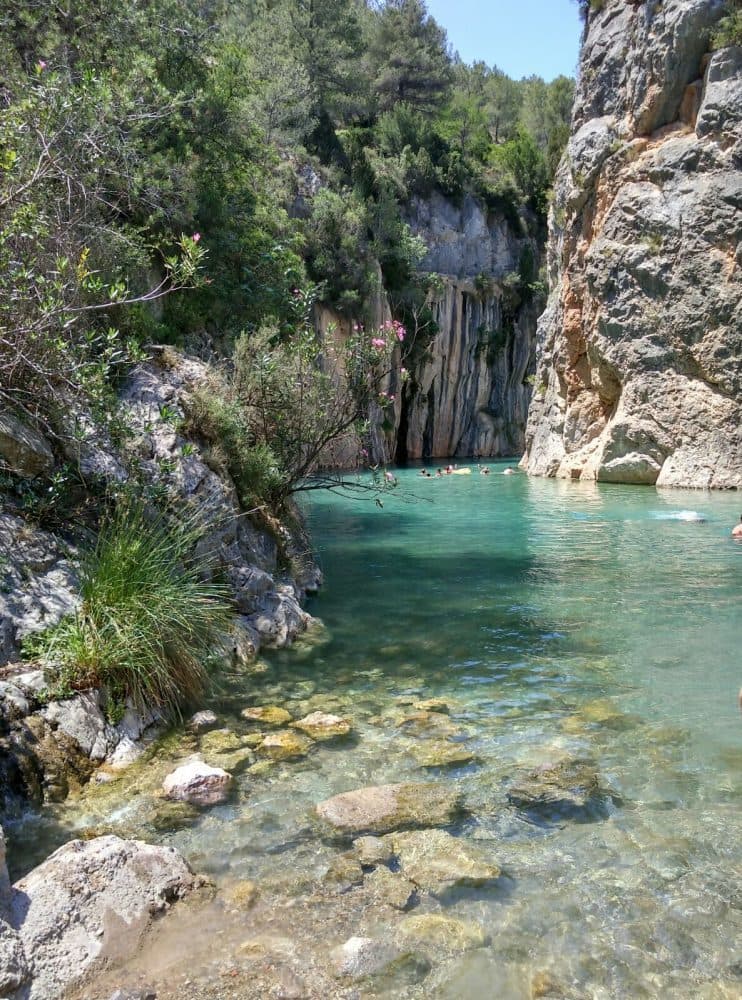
x: 147, y: 625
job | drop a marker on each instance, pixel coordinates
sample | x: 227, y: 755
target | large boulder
x: 14, y: 966
x: 383, y: 808
x: 91, y: 902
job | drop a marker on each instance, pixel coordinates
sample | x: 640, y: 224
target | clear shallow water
x: 554, y: 619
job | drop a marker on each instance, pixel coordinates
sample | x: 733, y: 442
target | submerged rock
x: 427, y: 725
x: 242, y: 895
x: 438, y: 932
x: 384, y: 808
x: 344, y: 872
x: 373, y: 850
x: 432, y: 705
x: 436, y: 861
x: 267, y: 715
x: 90, y: 902
x: 566, y: 789
x: 198, y: 783
x: 360, y: 956
x: 441, y: 753
x: 321, y: 727
x: 285, y: 745
x: 389, y: 888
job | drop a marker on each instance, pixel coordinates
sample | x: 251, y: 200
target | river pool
x: 554, y: 622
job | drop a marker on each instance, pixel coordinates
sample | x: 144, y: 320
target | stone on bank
x: 89, y: 902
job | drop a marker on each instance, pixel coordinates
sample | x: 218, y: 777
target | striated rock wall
x: 638, y: 374
x: 469, y: 394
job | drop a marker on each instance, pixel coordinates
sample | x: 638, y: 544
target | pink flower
x: 196, y: 237
x: 378, y: 343
x: 400, y: 335
x: 41, y: 65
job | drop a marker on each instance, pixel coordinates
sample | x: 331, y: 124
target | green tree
x: 411, y: 58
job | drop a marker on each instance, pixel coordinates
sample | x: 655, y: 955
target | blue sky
x: 520, y: 36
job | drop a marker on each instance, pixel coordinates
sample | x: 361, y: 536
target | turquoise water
x: 556, y: 620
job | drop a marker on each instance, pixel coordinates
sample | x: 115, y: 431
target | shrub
x: 729, y: 28
x: 217, y: 416
x: 147, y: 624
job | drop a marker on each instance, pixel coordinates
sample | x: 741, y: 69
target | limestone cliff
x: 638, y: 373
x: 469, y: 392
x: 471, y: 380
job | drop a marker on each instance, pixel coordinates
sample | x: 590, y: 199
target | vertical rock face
x: 638, y: 375
x: 469, y: 394
x: 469, y: 388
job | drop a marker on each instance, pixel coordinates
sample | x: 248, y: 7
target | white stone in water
x: 198, y: 783
x: 363, y: 956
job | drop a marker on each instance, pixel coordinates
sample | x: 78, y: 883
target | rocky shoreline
x: 52, y: 742
x: 394, y: 857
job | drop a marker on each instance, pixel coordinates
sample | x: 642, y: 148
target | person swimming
x: 737, y: 530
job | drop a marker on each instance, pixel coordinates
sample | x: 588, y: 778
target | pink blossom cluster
x: 394, y: 327
x: 378, y: 342
x: 386, y: 397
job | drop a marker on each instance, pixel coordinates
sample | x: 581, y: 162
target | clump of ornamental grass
x: 148, y: 625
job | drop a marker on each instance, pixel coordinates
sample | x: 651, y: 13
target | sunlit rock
x: 267, y: 715
x: 198, y: 783
x: 436, y: 861
x: 384, y: 808
x: 322, y: 727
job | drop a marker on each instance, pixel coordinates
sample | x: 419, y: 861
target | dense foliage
x: 184, y: 171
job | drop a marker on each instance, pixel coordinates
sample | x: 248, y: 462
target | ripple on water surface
x: 558, y: 626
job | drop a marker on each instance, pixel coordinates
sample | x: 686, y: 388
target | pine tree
x: 413, y: 65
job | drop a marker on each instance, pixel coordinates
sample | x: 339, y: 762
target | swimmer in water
x: 737, y: 533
